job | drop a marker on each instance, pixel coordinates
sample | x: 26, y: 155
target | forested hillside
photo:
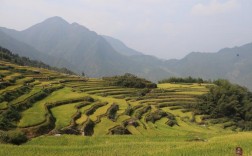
x: 226, y: 101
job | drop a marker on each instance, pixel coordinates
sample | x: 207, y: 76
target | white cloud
x: 215, y: 7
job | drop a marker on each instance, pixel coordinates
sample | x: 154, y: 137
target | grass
x: 178, y: 112
x: 3, y: 105
x: 103, y: 127
x: 121, y: 102
x: 82, y: 119
x: 25, y: 96
x: 12, y: 76
x: 21, y: 81
x: 10, y: 88
x: 36, y: 114
x: 63, y: 114
x: 100, y: 111
x: 132, y: 145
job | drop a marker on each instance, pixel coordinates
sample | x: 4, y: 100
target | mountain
x: 59, y: 43
x: 120, y: 47
x: 23, y: 49
x: 233, y: 64
x: 6, y: 55
x: 85, y: 50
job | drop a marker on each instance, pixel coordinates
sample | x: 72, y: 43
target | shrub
x: 140, y: 112
x: 129, y: 81
x: 158, y: 114
x: 119, y: 130
x: 183, y: 80
x: 89, y: 128
x: 3, y: 137
x: 129, y: 111
x: 16, y: 137
x: 112, y: 111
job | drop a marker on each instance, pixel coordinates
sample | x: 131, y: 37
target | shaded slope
x: 23, y: 49
x: 120, y: 47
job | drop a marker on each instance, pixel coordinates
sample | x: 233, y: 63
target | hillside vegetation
x: 38, y: 101
x: 188, y: 79
x: 226, y: 101
x: 130, y: 81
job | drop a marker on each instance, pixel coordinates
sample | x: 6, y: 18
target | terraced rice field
x: 52, y: 103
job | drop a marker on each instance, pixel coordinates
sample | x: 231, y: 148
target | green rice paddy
x: 138, y: 136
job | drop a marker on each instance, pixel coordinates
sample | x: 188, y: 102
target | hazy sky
x: 164, y: 28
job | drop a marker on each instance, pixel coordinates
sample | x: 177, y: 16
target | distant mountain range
x: 233, y: 64
x: 79, y: 49
x: 59, y: 43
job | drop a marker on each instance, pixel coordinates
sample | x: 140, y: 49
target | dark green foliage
x: 3, y: 136
x: 129, y: 81
x: 171, y: 123
x: 157, y: 115
x: 140, y: 112
x: 11, y: 114
x: 16, y: 137
x: 143, y: 92
x: 82, y: 74
x: 4, y: 84
x: 129, y: 110
x: 7, y: 117
x: 130, y: 122
x: 36, y: 97
x: 172, y: 120
x: 6, y: 55
x: 5, y: 124
x: 119, y: 130
x: 112, y: 111
x: 10, y: 95
x: 183, y: 80
x: 69, y: 130
x: 228, y: 100
x: 30, y: 100
x: 89, y: 128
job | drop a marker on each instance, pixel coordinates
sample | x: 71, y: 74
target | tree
x: 83, y: 74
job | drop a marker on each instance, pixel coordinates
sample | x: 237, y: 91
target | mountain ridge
x: 96, y: 55
x: 86, y: 50
x: 120, y: 47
